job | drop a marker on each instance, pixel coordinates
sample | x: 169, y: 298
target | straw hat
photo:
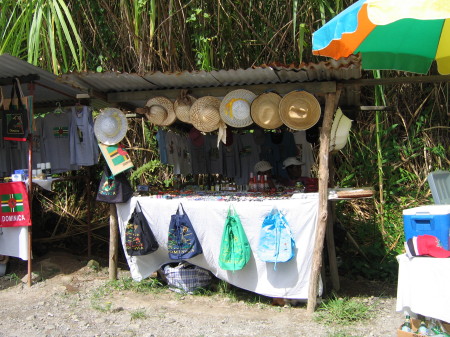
x: 235, y: 108
x: 110, y: 126
x: 205, y: 115
x: 182, y: 106
x: 339, y: 131
x: 299, y: 110
x: 264, y: 110
x: 160, y: 111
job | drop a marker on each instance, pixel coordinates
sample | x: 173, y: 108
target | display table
x: 289, y: 280
x: 423, y: 286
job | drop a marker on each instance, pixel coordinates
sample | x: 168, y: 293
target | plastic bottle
x: 266, y: 183
x: 407, y: 324
x: 423, y: 330
x: 251, y: 183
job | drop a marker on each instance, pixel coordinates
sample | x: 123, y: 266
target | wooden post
x: 330, y: 106
x: 113, y: 241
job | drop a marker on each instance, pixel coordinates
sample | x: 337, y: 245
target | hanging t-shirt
x: 231, y: 161
x: 3, y: 160
x: 198, y: 158
x: 37, y: 142
x: 185, y: 160
x: 304, y: 151
x: 173, y: 149
x: 249, y: 156
x: 55, y: 145
x: 17, y: 152
x: 214, y: 155
x: 276, y: 148
x: 83, y: 143
x: 161, y: 138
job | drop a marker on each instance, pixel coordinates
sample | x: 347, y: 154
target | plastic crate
x: 431, y: 220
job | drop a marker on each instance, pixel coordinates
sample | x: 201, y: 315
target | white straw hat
x: 235, y: 108
x: 299, y: 110
x: 339, y: 131
x: 204, y: 114
x: 160, y: 111
x: 182, y: 106
x: 110, y: 126
x: 265, y: 111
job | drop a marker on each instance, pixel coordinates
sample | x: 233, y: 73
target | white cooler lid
x: 428, y: 209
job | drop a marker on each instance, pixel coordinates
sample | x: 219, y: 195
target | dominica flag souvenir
x: 116, y: 157
x: 15, y: 210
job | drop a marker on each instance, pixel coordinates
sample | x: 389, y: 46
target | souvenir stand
x: 208, y: 214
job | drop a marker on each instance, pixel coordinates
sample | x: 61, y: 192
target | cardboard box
x: 415, y: 323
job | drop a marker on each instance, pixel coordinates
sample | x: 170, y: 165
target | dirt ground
x: 70, y: 300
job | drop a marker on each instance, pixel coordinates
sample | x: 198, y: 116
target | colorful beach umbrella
x: 403, y: 35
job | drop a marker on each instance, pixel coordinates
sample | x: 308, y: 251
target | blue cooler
x: 432, y: 220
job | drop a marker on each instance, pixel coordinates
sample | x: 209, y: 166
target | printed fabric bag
x: 235, y: 249
x: 182, y: 241
x: 15, y: 118
x: 276, y: 243
x: 114, y: 189
x: 139, y: 238
x: 15, y: 209
x: 185, y: 277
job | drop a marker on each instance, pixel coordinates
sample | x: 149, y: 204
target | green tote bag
x: 235, y: 249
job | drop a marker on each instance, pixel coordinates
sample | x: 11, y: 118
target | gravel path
x: 72, y: 300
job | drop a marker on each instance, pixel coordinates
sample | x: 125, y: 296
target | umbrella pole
x: 331, y: 101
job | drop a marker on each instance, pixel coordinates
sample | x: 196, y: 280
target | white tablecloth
x: 423, y: 286
x: 14, y: 242
x: 290, y: 280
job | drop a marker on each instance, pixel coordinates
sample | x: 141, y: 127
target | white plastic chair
x: 439, y: 182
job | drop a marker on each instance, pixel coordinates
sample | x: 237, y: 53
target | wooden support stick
x: 330, y: 103
x: 332, y: 261
x: 113, y: 242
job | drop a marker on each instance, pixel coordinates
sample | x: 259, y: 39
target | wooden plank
x: 113, y: 242
x: 330, y: 106
x: 281, y: 88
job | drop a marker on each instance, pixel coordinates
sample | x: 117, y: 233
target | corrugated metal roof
x: 108, y: 82
x: 47, y: 90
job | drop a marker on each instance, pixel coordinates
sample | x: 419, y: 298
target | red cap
x: 430, y: 245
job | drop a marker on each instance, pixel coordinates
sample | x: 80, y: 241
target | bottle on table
x: 407, y: 324
x: 422, y: 330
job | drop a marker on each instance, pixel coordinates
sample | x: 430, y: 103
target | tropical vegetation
x: 391, y: 150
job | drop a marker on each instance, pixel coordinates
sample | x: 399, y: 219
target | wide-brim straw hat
x: 264, y: 110
x: 204, y: 114
x: 110, y: 126
x: 299, y: 110
x: 339, y: 131
x: 160, y: 111
x: 182, y: 105
x: 235, y: 108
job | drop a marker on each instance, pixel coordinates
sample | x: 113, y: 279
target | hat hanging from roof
x: 264, y: 110
x: 110, y: 126
x: 235, y: 108
x: 204, y: 114
x: 160, y: 111
x: 182, y: 106
x: 299, y: 110
x: 339, y: 131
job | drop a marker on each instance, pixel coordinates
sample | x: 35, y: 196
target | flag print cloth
x: 15, y: 210
x: 116, y: 157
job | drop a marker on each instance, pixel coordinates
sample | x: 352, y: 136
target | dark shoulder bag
x: 114, y: 189
x: 15, y: 119
x: 139, y: 238
x: 182, y: 242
